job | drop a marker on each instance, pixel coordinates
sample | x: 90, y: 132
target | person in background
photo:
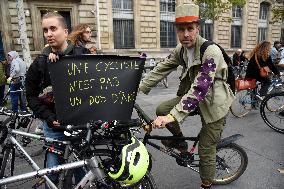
x: 17, y: 77
x: 81, y: 35
x: 274, y: 52
x: 238, y: 57
x: 261, y: 54
x: 3, y: 79
x: 93, y: 50
x: 281, y: 62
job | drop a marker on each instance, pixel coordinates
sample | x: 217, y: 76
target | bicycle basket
x: 243, y: 84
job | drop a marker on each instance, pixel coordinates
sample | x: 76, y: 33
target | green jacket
x: 203, y: 85
x: 2, y: 73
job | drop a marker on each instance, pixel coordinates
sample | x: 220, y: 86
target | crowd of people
x: 196, y: 95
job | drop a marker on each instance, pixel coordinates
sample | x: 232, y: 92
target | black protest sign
x: 95, y: 87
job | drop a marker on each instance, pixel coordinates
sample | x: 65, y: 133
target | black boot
x: 181, y: 144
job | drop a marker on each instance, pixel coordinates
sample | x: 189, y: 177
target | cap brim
x: 200, y: 21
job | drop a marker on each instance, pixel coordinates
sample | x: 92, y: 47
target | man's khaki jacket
x: 203, y: 85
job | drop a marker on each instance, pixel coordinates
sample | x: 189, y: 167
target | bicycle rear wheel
x: 7, y: 164
x: 231, y: 162
x: 272, y: 111
x: 241, y: 106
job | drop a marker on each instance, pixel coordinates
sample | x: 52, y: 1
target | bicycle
x: 246, y: 100
x: 23, y: 121
x: 274, y: 116
x: 240, y: 70
x: 226, y: 152
x: 96, y: 161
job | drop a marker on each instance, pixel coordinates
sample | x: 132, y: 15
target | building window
x: 123, y: 24
x: 262, y: 34
x: 123, y: 34
x: 168, y: 37
x: 122, y: 4
x: 263, y: 11
x: 207, y: 30
x: 263, y: 22
x: 236, y: 28
x: 236, y: 36
x: 237, y: 12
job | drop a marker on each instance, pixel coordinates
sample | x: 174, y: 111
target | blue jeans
x: 53, y: 159
x: 16, y: 97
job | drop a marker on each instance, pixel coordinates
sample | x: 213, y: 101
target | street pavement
x: 264, y: 148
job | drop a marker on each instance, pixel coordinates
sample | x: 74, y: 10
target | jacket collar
x: 47, y: 50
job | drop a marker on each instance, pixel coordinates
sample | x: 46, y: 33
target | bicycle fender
x: 228, y: 140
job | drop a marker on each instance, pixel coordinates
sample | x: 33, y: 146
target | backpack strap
x: 207, y: 43
x: 184, y: 65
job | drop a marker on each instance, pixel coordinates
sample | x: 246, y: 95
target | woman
x: 17, y: 75
x: 261, y: 52
x: 81, y: 35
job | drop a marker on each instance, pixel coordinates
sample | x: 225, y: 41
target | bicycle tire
x: 223, y: 165
x: 7, y: 164
x: 241, y: 106
x: 146, y: 182
x: 273, y: 119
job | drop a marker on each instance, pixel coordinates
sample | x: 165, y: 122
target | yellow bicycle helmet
x: 133, y: 164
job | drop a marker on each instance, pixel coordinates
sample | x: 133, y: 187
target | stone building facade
x: 129, y: 26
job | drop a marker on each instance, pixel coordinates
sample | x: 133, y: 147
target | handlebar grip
x: 71, y: 127
x: 130, y: 123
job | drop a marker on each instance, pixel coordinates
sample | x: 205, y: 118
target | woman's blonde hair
x: 261, y: 50
x: 76, y: 35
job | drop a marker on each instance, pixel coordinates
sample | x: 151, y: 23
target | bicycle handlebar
x: 100, y: 125
x: 147, y: 119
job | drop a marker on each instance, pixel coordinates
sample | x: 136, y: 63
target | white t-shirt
x: 190, y: 55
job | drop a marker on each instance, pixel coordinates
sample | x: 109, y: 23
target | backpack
x: 231, y: 77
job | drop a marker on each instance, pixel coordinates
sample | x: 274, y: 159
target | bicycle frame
x: 92, y: 163
x: 170, y: 152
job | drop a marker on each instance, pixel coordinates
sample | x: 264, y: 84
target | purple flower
x: 189, y: 104
x: 208, y: 66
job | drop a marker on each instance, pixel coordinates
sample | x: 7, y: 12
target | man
x: 203, y: 86
x: 38, y: 79
x: 17, y: 76
x: 274, y: 53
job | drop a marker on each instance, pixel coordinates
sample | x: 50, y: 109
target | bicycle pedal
x: 185, y: 159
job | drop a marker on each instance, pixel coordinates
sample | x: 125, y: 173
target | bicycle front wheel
x: 241, y: 106
x: 231, y: 162
x: 272, y: 111
x: 7, y: 164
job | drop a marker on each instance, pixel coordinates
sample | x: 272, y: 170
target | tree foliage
x: 212, y: 9
x: 278, y: 11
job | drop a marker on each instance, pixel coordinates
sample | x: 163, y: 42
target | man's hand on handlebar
x: 161, y: 121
